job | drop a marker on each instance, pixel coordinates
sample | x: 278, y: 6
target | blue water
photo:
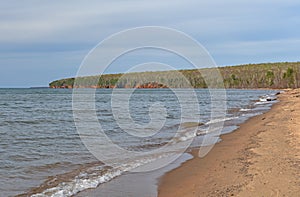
x: 39, y: 142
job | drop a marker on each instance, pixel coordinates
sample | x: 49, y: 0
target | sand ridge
x: 261, y: 158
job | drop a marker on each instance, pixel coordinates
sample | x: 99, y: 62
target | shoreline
x: 260, y: 158
x: 149, y: 185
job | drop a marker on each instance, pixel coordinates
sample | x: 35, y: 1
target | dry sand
x: 261, y: 158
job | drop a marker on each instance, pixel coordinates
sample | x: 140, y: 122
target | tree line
x: 265, y: 75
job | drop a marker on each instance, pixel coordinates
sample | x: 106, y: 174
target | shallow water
x: 39, y: 141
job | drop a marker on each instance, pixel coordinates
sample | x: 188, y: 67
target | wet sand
x: 261, y: 158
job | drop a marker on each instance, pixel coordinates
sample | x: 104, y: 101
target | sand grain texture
x: 261, y: 158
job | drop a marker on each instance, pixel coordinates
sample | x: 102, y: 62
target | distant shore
x: 261, y: 158
x: 278, y: 75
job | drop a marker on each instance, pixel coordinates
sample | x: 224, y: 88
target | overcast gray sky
x: 41, y: 41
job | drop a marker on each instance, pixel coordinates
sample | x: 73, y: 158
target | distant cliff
x: 266, y: 75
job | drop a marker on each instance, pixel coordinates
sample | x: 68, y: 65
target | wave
x: 96, y: 175
x: 89, y: 178
x: 217, y: 120
x: 245, y: 110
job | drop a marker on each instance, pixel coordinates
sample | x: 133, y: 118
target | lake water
x: 42, y: 152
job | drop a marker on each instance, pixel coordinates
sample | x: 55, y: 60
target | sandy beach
x: 261, y: 158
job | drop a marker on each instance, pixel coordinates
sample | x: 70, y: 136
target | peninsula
x: 252, y: 76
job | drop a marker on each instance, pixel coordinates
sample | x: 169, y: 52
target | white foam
x: 189, y: 134
x: 221, y: 120
x: 268, y: 98
x: 82, y: 182
x: 244, y: 110
x: 77, y: 185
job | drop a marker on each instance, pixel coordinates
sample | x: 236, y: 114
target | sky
x: 41, y: 41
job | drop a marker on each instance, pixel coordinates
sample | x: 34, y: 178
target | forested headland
x: 265, y: 75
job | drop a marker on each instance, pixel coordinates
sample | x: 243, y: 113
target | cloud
x: 78, y: 21
x: 233, y: 31
x: 244, y: 52
x: 28, y: 23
